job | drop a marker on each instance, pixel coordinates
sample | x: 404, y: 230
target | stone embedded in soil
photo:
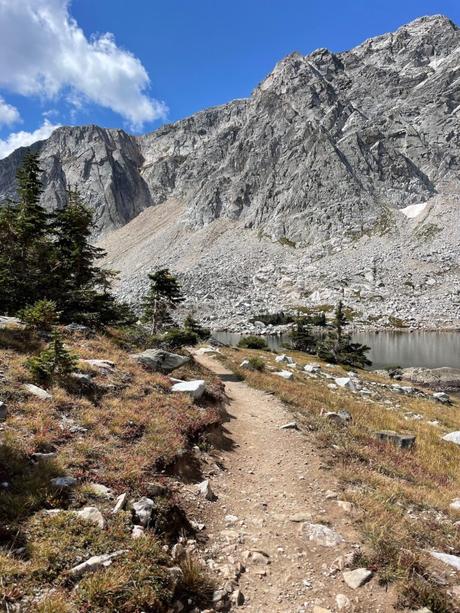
x: 292, y: 425
x: 455, y: 505
x: 63, y: 482
x: 95, y: 563
x: 403, y: 441
x: 356, y: 578
x: 342, y: 601
x: 452, y: 437
x: 37, y: 391
x: 447, y: 558
x: 120, y: 503
x: 205, y: 490
x: 321, y: 534
x: 300, y: 517
x: 284, y: 374
x: 143, y: 510
x: 92, y: 515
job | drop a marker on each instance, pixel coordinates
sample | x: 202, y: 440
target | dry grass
x: 403, y: 496
x: 121, y: 431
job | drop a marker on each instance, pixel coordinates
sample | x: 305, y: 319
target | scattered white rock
x: 92, y: 515
x: 194, y: 388
x: 455, y: 505
x: 120, y: 503
x: 447, y: 558
x: 284, y: 359
x: 205, y: 490
x: 356, y: 578
x: 312, y: 368
x: 452, y: 437
x: 137, y: 532
x: 292, y: 425
x: 160, y: 360
x: 342, y: 601
x: 323, y: 535
x: 100, y: 490
x: 143, y: 510
x: 442, y: 397
x: 207, y: 351
x: 285, y: 374
x: 95, y: 562
x: 104, y: 366
x: 231, y: 519
x: 37, y: 391
x: 245, y: 365
x: 345, y: 382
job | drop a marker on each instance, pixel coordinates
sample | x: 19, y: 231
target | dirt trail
x: 269, y: 477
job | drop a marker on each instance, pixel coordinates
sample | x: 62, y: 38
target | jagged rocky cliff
x: 354, y: 158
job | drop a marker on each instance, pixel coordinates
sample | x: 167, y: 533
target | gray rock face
x: 354, y: 158
x: 159, y: 360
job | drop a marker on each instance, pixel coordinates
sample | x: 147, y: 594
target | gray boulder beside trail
x: 159, y: 360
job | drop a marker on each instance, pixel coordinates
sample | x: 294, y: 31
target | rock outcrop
x: 352, y: 158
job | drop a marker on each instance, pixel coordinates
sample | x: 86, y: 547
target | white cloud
x: 43, y: 51
x: 8, y: 114
x: 24, y: 139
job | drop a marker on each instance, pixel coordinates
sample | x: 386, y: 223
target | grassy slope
x: 402, y: 497
x: 132, y: 429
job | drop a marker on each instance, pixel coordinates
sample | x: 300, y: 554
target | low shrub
x: 178, y: 337
x: 256, y: 363
x: 253, y: 342
x: 53, y: 362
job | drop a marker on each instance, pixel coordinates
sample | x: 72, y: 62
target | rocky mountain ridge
x: 339, y: 176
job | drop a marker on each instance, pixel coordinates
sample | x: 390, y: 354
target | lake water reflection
x: 429, y: 349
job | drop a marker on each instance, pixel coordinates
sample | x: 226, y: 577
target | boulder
x: 92, y: 515
x: 403, y: 441
x: 323, y: 535
x: 356, y: 578
x: 284, y: 374
x: 194, y: 388
x: 452, y: 437
x: 142, y: 510
x: 159, y: 360
x: 37, y: 391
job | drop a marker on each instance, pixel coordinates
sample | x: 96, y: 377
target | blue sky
x: 141, y: 63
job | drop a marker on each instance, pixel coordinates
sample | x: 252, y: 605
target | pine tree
x: 54, y: 361
x: 302, y: 338
x: 80, y: 288
x: 25, y: 248
x: 190, y: 323
x: 164, y: 296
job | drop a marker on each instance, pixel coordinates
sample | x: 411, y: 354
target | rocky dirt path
x: 272, y: 489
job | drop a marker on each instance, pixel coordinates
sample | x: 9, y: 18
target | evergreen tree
x: 337, y: 346
x: 80, y: 288
x: 54, y: 361
x: 25, y: 247
x: 191, y: 324
x: 302, y: 338
x: 164, y: 296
